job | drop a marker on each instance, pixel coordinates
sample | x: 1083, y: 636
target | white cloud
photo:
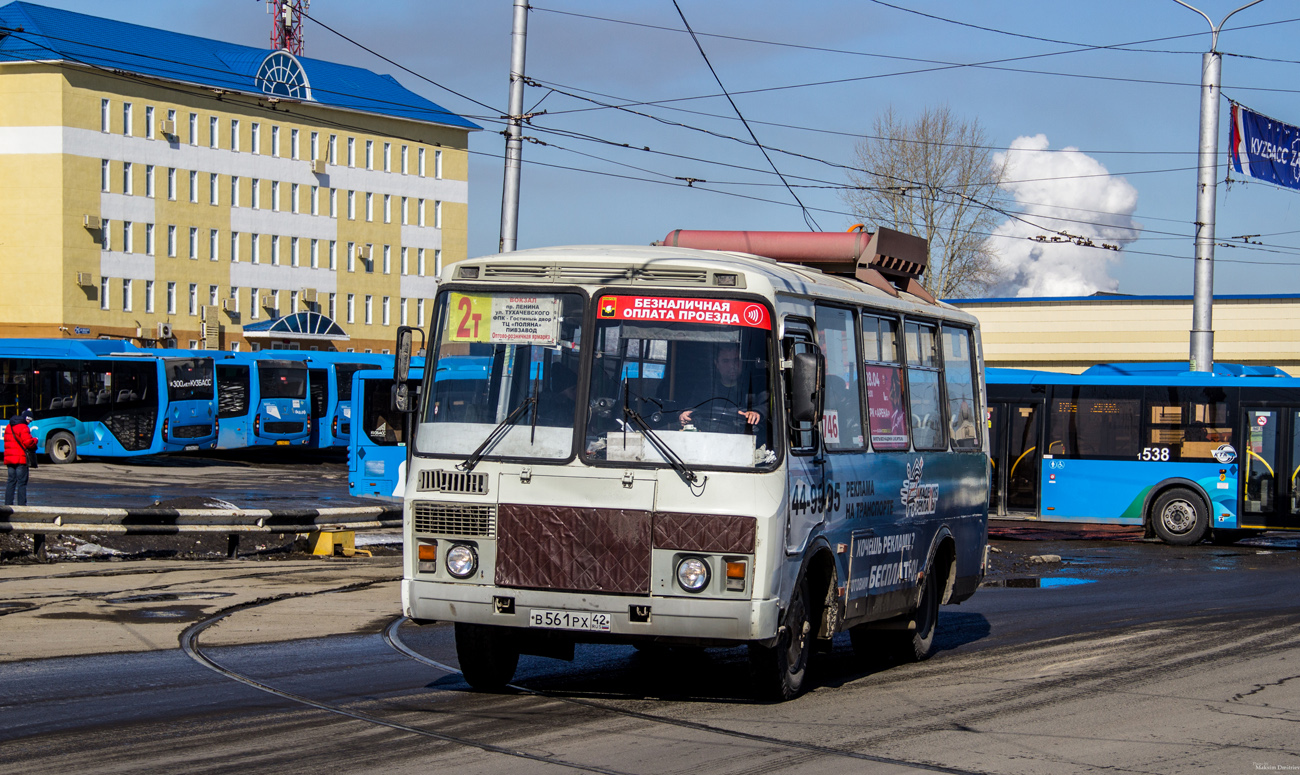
x: 1064, y: 191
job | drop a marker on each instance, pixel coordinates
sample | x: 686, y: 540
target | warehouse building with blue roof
x: 174, y: 189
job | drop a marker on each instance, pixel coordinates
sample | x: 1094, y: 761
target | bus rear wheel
x: 780, y: 671
x: 61, y: 447
x: 917, y: 645
x: 1179, y: 517
x: 488, y: 655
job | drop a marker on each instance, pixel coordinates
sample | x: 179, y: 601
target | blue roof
x: 1119, y: 298
x: 1224, y: 375
x: 53, y: 34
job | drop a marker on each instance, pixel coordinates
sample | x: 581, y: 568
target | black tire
x: 61, y: 447
x: 917, y: 645
x: 488, y: 655
x: 780, y: 671
x: 1179, y: 517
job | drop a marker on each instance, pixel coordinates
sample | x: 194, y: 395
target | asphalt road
x: 1128, y: 656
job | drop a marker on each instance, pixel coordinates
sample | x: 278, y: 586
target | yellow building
x: 1070, y: 334
x: 181, y: 191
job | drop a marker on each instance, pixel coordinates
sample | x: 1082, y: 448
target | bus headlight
x: 693, y: 574
x: 462, y: 561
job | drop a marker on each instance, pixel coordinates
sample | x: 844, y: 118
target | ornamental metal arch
x: 301, y: 325
x: 283, y: 75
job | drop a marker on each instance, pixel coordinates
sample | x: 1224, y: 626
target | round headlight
x: 693, y: 574
x: 462, y: 561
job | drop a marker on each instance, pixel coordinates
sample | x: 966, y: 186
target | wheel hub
x: 1179, y: 516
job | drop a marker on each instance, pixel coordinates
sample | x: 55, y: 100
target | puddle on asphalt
x: 1031, y: 582
x: 167, y: 597
x: 13, y: 608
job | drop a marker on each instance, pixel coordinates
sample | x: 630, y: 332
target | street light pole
x: 1202, y: 338
x: 515, y: 131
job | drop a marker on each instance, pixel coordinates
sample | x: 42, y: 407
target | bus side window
x: 1095, y: 421
x: 1189, y: 422
x: 923, y: 377
x: 842, y: 414
x: 803, y: 439
x: 959, y: 378
x: 883, y: 375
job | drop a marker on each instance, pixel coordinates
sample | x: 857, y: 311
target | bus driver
x: 729, y: 388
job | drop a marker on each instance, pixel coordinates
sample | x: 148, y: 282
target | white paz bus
x: 759, y: 438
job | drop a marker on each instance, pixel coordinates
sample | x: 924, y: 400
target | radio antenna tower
x: 286, y: 28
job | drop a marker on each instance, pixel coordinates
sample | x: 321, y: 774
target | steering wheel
x: 719, y: 417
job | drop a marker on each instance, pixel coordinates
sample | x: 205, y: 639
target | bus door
x: 806, y: 494
x: 1269, y: 464
x: 318, y: 391
x: 1013, y: 442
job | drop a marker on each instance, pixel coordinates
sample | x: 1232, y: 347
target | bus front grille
x: 455, y: 519
x: 191, y: 431
x: 282, y: 427
x: 453, y: 481
x: 574, y: 549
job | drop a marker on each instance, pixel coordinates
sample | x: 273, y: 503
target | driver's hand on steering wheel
x: 750, y: 417
x: 685, y: 417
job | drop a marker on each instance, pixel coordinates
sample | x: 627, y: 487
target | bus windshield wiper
x: 673, y: 459
x: 498, y: 433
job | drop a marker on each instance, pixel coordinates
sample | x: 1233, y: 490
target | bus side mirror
x: 806, y: 388
x: 402, y: 366
x: 404, y: 399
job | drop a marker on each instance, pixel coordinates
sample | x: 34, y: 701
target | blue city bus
x: 107, y: 398
x: 1187, y: 455
x: 330, y: 376
x: 377, y: 447
x: 262, y: 400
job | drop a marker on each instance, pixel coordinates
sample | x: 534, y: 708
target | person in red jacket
x: 18, y: 442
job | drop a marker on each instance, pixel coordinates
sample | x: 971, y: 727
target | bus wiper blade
x: 673, y: 459
x: 498, y: 433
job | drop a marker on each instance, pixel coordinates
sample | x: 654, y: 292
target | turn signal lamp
x: 428, y: 556
x: 736, y: 575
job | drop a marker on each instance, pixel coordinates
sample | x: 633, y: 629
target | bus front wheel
x: 488, y: 655
x: 1179, y: 517
x: 61, y: 447
x: 780, y: 670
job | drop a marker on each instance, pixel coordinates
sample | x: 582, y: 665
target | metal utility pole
x: 1202, y: 339
x: 514, y: 131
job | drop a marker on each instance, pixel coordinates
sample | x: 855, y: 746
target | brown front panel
x: 582, y: 550
x: 704, y: 533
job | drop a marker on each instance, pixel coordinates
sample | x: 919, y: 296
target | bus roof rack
x: 886, y: 259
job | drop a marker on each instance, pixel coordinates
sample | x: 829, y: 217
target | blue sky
x: 1133, y: 114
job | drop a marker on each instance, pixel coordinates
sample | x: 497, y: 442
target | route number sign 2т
x: 501, y: 319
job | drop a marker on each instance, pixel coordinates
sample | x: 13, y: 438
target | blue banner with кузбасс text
x: 1264, y: 148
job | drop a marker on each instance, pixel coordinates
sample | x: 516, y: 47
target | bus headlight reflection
x: 693, y: 574
x: 462, y: 561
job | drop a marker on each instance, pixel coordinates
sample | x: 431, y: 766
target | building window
x: 212, y: 188
x: 103, y: 175
x: 275, y: 196
x: 148, y: 239
x: 255, y: 193
x: 103, y: 115
x: 126, y: 295
x: 212, y: 295
x: 388, y: 157
x: 254, y: 304
x: 194, y: 187
x: 334, y: 257
x: 171, y: 298
x: 126, y: 237
x: 293, y: 198
x: 105, y: 234
x: 333, y: 148
x: 171, y: 241
x: 401, y: 311
x: 148, y: 121
x: 275, y: 141
x: 126, y: 119
x: 402, y: 153
x: 388, y: 209
x: 255, y: 138
x: 148, y: 295
x: 234, y: 297
x: 212, y: 245
x: 352, y: 256
x: 370, y: 154
x: 405, y: 261
x: 171, y: 116
x: 194, y: 242
x: 314, y: 145
x: 103, y: 293
x: 419, y: 212
x: 419, y: 162
x: 419, y: 262
x: 171, y: 184
x: 148, y: 180
x: 352, y: 206
x: 370, y: 206
x: 234, y: 191
x: 383, y: 311
x: 126, y: 178
x: 315, y: 200
x: 352, y: 307
x: 234, y: 247
x: 253, y: 252
x: 437, y: 164
x: 405, y: 219
x: 315, y: 254
x: 419, y: 312
x: 370, y: 305
x: 213, y: 131
x: 293, y: 302
x: 437, y: 261
x: 234, y: 134
x: 352, y: 152
x: 275, y: 250
x: 333, y: 297
x: 293, y: 251
x: 194, y: 298
x: 334, y: 203
x: 437, y: 215
x: 388, y: 259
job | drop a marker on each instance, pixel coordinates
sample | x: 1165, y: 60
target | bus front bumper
x: 669, y: 617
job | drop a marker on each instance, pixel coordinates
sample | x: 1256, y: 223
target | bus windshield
x: 189, y: 379
x: 504, y: 356
x: 343, y: 375
x: 684, y: 377
x: 282, y: 379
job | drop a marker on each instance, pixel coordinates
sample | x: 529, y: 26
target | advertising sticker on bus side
x: 498, y: 319
x: 722, y: 312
